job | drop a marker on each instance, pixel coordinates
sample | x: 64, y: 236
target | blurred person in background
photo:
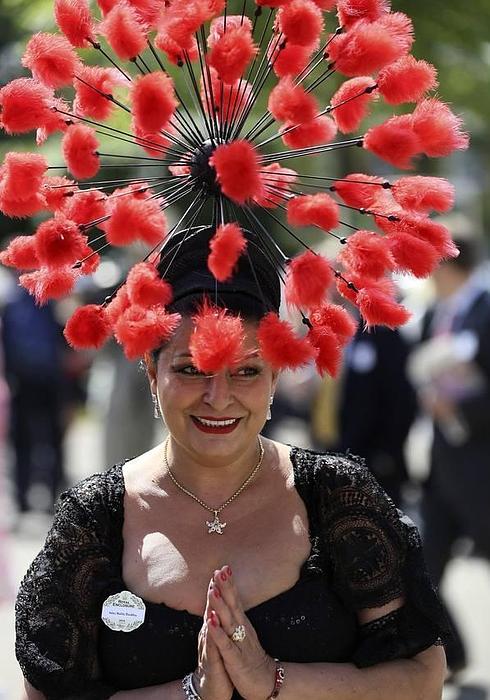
x: 451, y: 369
x: 369, y: 409
x: 43, y: 382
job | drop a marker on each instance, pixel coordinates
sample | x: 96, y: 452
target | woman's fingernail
x: 228, y: 570
x: 216, y: 593
x: 214, y: 619
x: 223, y: 576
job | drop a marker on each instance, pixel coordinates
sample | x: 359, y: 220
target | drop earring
x: 156, y: 406
x: 269, y: 414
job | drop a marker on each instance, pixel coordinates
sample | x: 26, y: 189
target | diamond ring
x: 239, y: 634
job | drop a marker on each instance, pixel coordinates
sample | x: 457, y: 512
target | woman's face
x: 213, y: 417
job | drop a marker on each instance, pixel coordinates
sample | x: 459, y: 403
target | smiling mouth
x: 209, y: 425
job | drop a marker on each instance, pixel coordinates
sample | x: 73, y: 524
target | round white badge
x: 123, y: 612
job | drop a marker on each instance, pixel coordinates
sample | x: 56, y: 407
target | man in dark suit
x: 456, y: 500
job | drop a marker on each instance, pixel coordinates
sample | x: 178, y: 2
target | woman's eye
x: 246, y: 372
x: 190, y: 371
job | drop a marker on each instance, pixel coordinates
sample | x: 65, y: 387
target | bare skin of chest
x: 169, y: 556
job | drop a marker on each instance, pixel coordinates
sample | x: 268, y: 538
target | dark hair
x: 252, y: 292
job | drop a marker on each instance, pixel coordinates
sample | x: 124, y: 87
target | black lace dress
x: 364, y: 553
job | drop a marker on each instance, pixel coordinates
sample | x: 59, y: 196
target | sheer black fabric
x: 364, y: 553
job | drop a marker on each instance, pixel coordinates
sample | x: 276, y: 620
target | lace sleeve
x: 59, y: 601
x: 376, y: 556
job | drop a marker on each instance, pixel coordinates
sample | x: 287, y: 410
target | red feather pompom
x: 329, y: 350
x: 356, y: 194
x: 217, y: 339
x: 79, y: 147
x: 20, y: 253
x: 308, y: 279
x: 93, y: 81
x: 133, y: 218
x: 118, y: 305
x: 406, y: 80
x: 141, y: 330
x: 438, y: 129
x: 51, y: 59
x: 301, y: 22
x: 218, y: 25
x: 106, y: 6
x: 237, y: 170
x: 175, y: 51
x: 351, y: 103
x: 313, y: 210
x: 280, y: 346
x: 365, y: 48
x: 21, y: 176
x: 153, y: 100
x: 291, y: 103
x: 55, y: 120
x: 395, y: 141
x: 320, y: 130
x: 89, y: 261
x: 184, y: 20
x: 351, y: 11
x: 124, y: 31
x: 413, y: 254
x: 84, y: 207
x: 75, y: 21
x: 232, y: 53
x: 88, y: 327
x: 289, y: 60
x: 380, y: 309
x: 57, y: 191
x: 367, y: 254
x: 227, y: 244
x: 336, y: 319
x: 400, y: 26
x: 25, y: 105
x: 276, y: 183
x: 422, y: 227
x: 325, y: 4
x: 47, y: 283
x: 59, y: 242
x: 146, y: 288
x: 148, y: 11
x: 424, y: 194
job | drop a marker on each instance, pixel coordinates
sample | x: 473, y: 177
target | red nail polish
x: 216, y: 593
x: 214, y: 619
x: 228, y: 571
x: 223, y: 576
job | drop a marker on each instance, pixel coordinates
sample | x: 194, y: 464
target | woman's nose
x: 218, y: 393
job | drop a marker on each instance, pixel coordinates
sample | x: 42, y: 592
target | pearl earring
x: 269, y: 414
x: 156, y: 406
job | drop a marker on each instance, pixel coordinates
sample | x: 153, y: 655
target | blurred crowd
x: 415, y: 404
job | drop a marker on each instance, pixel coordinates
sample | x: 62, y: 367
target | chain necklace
x: 215, y: 525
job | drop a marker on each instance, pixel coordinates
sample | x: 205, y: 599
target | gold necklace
x: 214, y: 525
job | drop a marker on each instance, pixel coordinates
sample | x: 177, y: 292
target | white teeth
x: 216, y: 423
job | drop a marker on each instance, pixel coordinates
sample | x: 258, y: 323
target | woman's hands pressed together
x: 250, y: 670
x: 211, y: 678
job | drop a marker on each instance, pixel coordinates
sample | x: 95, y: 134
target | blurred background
x: 415, y: 403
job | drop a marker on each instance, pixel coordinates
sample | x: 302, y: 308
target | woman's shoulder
x: 331, y: 470
x: 99, y: 491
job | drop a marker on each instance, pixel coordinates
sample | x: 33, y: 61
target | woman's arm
x: 419, y: 678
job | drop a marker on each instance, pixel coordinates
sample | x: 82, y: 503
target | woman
x: 237, y: 550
